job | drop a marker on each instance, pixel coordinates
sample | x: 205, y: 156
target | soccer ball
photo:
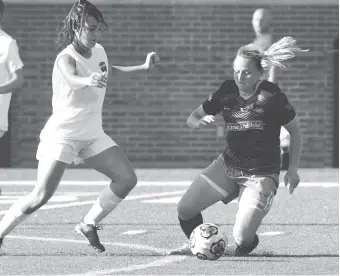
x: 207, y: 242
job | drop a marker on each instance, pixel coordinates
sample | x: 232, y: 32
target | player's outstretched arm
x: 16, y: 81
x: 151, y: 59
x: 292, y: 178
x: 67, y: 66
x: 198, y: 117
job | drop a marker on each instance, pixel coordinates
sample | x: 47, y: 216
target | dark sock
x: 247, y: 249
x: 189, y: 225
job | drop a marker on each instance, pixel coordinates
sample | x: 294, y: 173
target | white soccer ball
x: 207, y: 242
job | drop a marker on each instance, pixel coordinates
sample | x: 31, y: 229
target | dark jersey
x: 253, y: 125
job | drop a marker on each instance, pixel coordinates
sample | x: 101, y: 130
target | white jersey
x: 77, y: 113
x: 9, y: 63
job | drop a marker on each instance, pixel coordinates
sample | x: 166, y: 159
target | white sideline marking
x: 73, y: 204
x: 56, y: 194
x: 133, y: 197
x: 157, y: 263
x: 134, y: 232
x: 56, y: 198
x: 54, y: 206
x: 153, y: 195
x: 148, y: 183
x: 167, y: 200
x: 6, y: 201
x: 161, y: 262
x: 271, y: 233
x: 117, y: 244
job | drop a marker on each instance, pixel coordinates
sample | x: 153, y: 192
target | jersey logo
x: 247, y: 108
x: 258, y: 110
x: 103, y: 67
x: 245, y: 125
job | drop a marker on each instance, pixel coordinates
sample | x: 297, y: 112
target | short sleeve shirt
x: 9, y: 63
x: 252, y: 141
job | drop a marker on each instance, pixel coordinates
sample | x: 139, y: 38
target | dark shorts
x: 229, y: 181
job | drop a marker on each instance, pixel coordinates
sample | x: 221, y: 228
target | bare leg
x: 113, y: 163
x: 49, y: 175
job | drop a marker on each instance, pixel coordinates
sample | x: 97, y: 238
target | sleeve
x: 103, y: 63
x: 285, y: 112
x: 13, y: 58
x: 270, y: 87
x: 213, y: 105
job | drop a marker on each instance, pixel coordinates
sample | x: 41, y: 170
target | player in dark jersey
x: 253, y: 111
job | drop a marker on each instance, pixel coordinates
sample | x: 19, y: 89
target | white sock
x: 107, y: 201
x: 12, y: 218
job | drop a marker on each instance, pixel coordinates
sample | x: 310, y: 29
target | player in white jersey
x: 11, y: 76
x: 74, y: 131
x: 263, y: 40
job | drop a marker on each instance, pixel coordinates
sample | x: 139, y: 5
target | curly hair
x: 282, y: 50
x: 74, y: 21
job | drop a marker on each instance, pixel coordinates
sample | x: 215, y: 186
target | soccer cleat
x: 183, y: 250
x: 237, y: 251
x: 90, y: 232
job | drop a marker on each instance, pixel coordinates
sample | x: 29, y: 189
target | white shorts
x: 76, y: 151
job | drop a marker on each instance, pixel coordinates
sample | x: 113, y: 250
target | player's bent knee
x: 129, y: 180
x: 261, y: 201
x: 265, y: 202
x: 36, y: 200
x: 42, y: 197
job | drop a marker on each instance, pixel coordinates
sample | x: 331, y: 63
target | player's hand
x: 96, y: 80
x: 206, y: 120
x: 151, y: 59
x: 291, y: 179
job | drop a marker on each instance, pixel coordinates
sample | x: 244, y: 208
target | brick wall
x: 146, y: 113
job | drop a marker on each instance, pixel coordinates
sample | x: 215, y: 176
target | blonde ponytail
x: 280, y: 51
